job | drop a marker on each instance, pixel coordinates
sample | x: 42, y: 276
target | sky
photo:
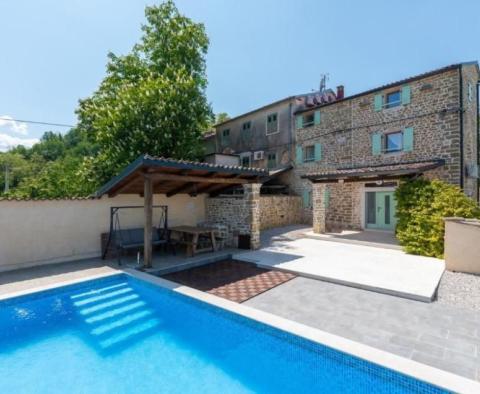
x: 53, y: 52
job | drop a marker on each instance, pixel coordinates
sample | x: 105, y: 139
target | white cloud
x: 7, y: 142
x: 11, y: 125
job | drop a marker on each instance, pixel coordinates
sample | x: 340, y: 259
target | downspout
x: 478, y: 142
x: 460, y: 111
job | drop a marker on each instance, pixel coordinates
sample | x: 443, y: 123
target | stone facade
x: 345, y: 132
x: 278, y: 211
x: 251, y: 195
x: 230, y: 211
x: 251, y: 213
x: 240, y: 215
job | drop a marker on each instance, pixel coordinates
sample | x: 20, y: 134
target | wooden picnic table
x: 190, y: 236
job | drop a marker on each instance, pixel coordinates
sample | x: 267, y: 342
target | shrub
x: 421, y: 207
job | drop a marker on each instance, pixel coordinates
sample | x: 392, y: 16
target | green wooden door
x: 380, y: 210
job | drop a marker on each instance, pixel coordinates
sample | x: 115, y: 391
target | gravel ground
x: 460, y: 290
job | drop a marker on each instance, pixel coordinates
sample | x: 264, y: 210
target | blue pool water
x: 124, y: 335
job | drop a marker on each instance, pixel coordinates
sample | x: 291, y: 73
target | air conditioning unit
x: 258, y: 155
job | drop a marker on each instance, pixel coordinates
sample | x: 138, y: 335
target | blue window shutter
x: 316, y: 117
x: 405, y: 94
x: 326, y: 198
x: 299, y: 121
x: 318, y: 151
x: 408, y: 139
x: 376, y: 144
x: 299, y: 155
x: 306, y: 198
x: 378, y: 102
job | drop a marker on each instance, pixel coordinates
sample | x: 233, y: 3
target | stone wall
x: 278, y: 211
x: 231, y: 212
x: 470, y: 133
x: 235, y: 213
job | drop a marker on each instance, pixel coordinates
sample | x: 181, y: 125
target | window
x: 308, y: 120
x: 393, y: 99
x: 393, y: 142
x: 272, y: 123
x: 272, y: 160
x: 247, y: 126
x: 245, y: 160
x: 226, y: 137
x: 309, y: 153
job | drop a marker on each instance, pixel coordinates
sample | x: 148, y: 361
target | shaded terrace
x: 149, y: 175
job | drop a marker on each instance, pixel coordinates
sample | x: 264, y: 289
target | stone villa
x: 346, y: 154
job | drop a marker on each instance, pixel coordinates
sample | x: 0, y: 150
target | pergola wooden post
x: 148, y: 212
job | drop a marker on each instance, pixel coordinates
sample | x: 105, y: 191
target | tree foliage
x: 152, y: 100
x: 421, y: 207
x: 51, y: 168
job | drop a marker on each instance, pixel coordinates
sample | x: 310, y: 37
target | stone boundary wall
x: 233, y: 212
x: 51, y: 231
x: 278, y: 211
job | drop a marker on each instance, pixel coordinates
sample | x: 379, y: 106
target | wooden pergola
x: 149, y: 175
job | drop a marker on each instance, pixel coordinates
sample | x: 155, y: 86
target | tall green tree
x: 152, y: 100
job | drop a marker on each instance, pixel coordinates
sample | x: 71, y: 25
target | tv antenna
x: 323, y: 82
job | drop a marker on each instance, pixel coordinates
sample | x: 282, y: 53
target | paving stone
x: 457, y: 368
x: 418, y: 345
x: 400, y: 326
x: 460, y: 345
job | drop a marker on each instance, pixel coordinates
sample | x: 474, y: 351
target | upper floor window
x: 272, y: 123
x: 226, y: 136
x: 392, y: 99
x: 470, y: 92
x: 308, y: 119
x: 272, y: 160
x: 393, y: 142
x: 247, y: 126
x: 309, y: 153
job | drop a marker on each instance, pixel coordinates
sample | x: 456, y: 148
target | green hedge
x: 421, y: 207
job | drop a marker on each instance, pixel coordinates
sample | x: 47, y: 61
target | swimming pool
x: 121, y: 334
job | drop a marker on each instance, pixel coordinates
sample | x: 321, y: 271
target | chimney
x: 340, y: 92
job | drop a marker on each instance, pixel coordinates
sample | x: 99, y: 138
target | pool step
x: 114, y: 315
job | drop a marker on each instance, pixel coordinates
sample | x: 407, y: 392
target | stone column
x: 319, y: 208
x: 251, y: 195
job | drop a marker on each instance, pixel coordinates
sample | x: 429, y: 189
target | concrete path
x: 372, y: 268
x: 438, y: 335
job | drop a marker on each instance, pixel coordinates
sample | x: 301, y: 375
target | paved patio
x: 444, y: 337
x: 371, y: 267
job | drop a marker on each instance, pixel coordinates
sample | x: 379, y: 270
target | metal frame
x: 114, y: 210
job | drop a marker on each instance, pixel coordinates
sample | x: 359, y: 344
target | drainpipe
x: 478, y: 141
x: 461, y: 127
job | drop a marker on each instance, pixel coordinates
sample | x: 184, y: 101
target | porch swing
x: 133, y: 238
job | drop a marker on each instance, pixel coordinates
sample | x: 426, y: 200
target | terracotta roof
x: 365, y: 172
x: 392, y: 84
